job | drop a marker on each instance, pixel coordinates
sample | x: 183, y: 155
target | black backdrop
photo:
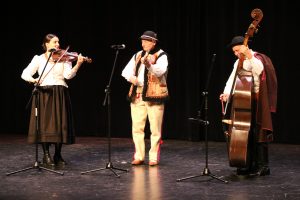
x: 190, y: 31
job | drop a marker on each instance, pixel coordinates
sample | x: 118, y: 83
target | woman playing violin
x: 54, y: 104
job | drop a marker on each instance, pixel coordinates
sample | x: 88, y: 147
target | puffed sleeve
x: 68, y: 72
x: 160, y: 67
x: 31, y: 69
x: 129, y: 69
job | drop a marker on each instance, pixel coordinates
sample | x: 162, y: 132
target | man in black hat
x: 263, y: 103
x: 147, y: 73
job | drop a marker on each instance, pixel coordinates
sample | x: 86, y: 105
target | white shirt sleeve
x: 254, y: 65
x: 229, y: 82
x: 160, y: 67
x: 31, y: 69
x: 53, y: 74
x: 129, y: 69
x: 68, y: 72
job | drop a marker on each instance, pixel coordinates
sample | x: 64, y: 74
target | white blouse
x: 54, y: 73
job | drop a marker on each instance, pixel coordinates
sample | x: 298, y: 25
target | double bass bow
x: 239, y: 123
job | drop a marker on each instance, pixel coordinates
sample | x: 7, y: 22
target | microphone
x: 213, y: 58
x: 199, y: 120
x: 52, y: 50
x: 118, y: 46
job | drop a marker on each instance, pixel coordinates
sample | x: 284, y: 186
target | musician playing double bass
x: 263, y: 104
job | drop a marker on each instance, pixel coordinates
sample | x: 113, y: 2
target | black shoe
x: 58, y: 160
x: 263, y: 171
x: 48, y: 162
x: 242, y: 171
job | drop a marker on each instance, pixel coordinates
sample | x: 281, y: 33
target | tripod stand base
x: 109, y: 166
x: 205, y: 172
x: 35, y: 166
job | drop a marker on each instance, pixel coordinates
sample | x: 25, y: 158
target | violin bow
x: 54, y: 64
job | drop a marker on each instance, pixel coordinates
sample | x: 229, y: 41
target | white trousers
x: 140, y: 110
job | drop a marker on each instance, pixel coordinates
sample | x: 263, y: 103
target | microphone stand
x: 107, y: 102
x: 205, y: 122
x: 35, y: 91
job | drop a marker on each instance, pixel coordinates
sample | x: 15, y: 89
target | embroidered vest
x: 155, y: 88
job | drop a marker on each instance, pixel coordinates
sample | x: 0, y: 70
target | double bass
x: 239, y: 123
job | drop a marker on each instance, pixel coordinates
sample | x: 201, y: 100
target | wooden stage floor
x: 179, y: 159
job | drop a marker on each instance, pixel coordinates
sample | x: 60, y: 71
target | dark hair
x: 47, y: 39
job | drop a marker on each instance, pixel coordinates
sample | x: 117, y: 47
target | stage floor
x: 179, y: 159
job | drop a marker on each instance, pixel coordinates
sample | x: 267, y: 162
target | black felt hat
x: 237, y: 40
x: 149, y: 35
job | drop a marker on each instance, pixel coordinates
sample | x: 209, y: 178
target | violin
x: 62, y: 55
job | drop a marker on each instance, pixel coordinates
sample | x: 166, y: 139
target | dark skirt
x: 54, y: 116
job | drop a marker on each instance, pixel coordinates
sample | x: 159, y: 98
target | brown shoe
x: 153, y: 163
x: 137, y: 162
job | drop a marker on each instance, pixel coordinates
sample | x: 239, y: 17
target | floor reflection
x: 154, y: 183
x: 146, y: 183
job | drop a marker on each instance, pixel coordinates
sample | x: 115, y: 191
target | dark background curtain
x: 190, y: 31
